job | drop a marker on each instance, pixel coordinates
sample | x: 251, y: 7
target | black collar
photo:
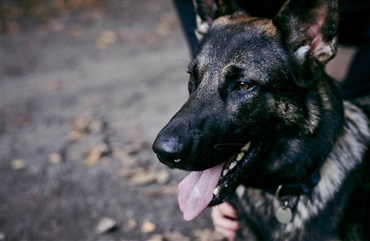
x: 303, y: 188
x: 288, y: 190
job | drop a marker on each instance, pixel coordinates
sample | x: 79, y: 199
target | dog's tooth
x: 239, y: 156
x: 217, y: 191
x: 246, y: 147
x: 232, y: 165
x: 224, y: 172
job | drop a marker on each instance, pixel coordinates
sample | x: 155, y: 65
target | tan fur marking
x: 270, y: 30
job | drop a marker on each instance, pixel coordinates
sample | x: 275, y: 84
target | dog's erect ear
x: 309, y: 29
x: 209, y: 10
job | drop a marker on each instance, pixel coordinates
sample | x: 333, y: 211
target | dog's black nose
x: 169, y: 151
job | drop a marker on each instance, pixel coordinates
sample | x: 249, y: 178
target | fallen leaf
x: 147, y: 226
x: 166, y: 25
x: 131, y: 224
x: 94, y: 155
x: 54, y: 158
x: 85, y: 124
x: 163, y: 190
x: 123, y: 172
x: 163, y: 177
x: 207, y: 234
x: 157, y: 237
x: 126, y: 158
x: 105, y: 225
x: 18, y: 164
x: 144, y: 177
x: 136, y: 147
x: 96, y: 125
x: 106, y: 39
x: 76, y: 135
x: 80, y: 124
x: 175, y: 236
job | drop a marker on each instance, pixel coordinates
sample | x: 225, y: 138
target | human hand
x: 224, y: 219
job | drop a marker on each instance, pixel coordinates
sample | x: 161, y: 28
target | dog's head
x: 254, y: 99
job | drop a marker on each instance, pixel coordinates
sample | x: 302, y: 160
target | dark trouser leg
x: 186, y: 12
x: 357, y: 82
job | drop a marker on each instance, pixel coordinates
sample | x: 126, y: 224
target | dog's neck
x: 322, y: 184
x: 344, y: 158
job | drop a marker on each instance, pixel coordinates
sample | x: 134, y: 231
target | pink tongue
x: 196, y: 191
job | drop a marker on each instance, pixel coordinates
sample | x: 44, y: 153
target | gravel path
x: 83, y: 94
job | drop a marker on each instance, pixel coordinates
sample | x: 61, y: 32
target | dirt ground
x: 85, y: 87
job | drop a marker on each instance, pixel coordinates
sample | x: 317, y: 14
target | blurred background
x: 85, y: 87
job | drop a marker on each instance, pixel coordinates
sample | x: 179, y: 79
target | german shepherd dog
x: 266, y: 128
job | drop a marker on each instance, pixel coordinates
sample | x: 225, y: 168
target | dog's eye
x: 191, y: 84
x: 243, y: 85
x: 191, y: 77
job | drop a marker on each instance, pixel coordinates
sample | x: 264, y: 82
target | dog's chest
x: 257, y: 215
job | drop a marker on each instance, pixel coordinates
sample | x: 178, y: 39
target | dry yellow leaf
x: 54, y: 157
x: 131, y: 223
x: 81, y: 123
x: 163, y: 177
x: 176, y: 236
x: 18, y: 164
x: 163, y: 190
x: 157, y: 237
x: 76, y: 135
x: 147, y: 226
x: 126, y: 158
x: 106, y: 224
x: 207, y: 234
x: 143, y: 178
x: 124, y: 172
x: 95, y: 154
x: 107, y: 38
